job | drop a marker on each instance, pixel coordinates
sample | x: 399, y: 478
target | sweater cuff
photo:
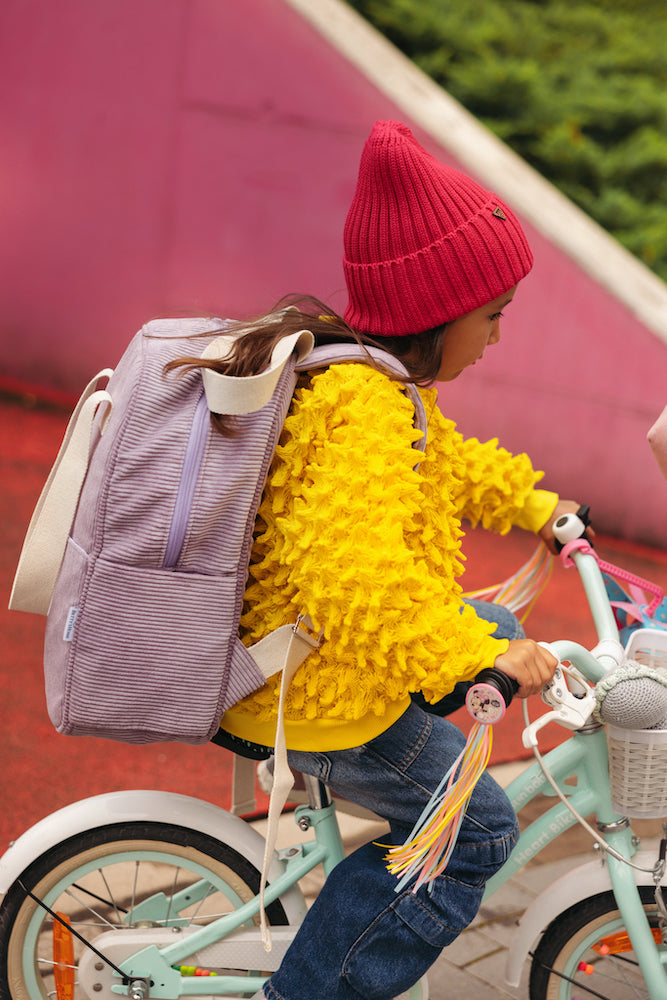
x: 538, y: 508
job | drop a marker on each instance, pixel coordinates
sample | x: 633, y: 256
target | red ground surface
x: 42, y: 771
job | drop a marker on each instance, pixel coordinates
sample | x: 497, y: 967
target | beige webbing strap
x: 236, y: 394
x: 283, y: 779
x: 270, y: 653
x: 46, y: 539
x: 296, y: 648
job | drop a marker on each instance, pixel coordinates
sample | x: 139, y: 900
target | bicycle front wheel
x: 585, y: 952
x: 130, y: 875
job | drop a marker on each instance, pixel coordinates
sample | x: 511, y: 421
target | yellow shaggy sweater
x: 351, y: 534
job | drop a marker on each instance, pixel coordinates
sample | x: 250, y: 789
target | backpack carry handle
x: 234, y: 394
x: 237, y: 394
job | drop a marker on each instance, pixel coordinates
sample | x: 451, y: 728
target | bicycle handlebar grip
x: 571, y: 526
x: 490, y: 695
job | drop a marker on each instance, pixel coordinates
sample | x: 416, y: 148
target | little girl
x: 360, y: 528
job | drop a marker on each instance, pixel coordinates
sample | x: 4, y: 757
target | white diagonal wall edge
x: 490, y: 160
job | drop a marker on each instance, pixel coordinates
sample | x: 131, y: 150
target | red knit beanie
x: 424, y: 244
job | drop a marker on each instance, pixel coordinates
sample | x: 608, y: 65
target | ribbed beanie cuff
x: 424, y: 243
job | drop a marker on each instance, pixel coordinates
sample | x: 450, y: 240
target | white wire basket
x: 638, y: 771
x: 648, y: 646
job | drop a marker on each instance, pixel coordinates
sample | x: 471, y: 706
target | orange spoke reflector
x: 616, y: 944
x: 63, y: 958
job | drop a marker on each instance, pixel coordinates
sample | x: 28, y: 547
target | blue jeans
x: 361, y: 940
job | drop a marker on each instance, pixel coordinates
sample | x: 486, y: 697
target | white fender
x: 580, y: 883
x: 144, y: 806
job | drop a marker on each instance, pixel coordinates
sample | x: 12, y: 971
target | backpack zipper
x: 192, y: 463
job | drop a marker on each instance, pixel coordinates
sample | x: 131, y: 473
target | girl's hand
x: 547, y: 533
x: 529, y: 664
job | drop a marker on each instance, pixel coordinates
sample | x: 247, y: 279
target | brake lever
x: 570, y: 710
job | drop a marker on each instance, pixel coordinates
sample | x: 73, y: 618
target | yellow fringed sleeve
x: 350, y: 533
x: 491, y: 486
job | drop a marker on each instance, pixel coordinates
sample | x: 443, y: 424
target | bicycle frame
x: 581, y: 761
x: 583, y: 758
x: 326, y: 849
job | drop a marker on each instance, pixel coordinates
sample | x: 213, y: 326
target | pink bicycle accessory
x: 485, y: 704
x: 581, y: 545
x: 489, y: 696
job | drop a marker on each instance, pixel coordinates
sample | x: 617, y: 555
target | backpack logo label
x: 70, y: 624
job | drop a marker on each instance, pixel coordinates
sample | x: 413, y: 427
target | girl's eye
x: 495, y: 316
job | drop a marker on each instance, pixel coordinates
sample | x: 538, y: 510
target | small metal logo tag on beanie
x: 498, y: 212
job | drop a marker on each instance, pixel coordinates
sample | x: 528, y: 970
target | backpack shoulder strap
x: 46, y: 538
x: 329, y: 354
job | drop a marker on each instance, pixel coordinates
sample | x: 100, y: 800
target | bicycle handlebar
x: 492, y: 691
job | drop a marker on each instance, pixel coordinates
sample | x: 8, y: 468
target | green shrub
x: 579, y: 90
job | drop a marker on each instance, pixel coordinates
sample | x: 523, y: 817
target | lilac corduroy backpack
x: 139, y: 546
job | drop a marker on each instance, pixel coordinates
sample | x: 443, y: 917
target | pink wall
x: 162, y: 156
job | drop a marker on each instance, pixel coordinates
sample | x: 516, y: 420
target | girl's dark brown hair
x: 420, y: 353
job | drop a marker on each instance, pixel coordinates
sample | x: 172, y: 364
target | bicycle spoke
x: 172, y: 893
x: 102, y: 919
x: 109, y: 881
x: 94, y: 895
x: 575, y: 982
x: 113, y: 901
x: 194, y: 916
x: 134, y: 888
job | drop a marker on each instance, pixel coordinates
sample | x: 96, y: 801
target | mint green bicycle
x: 148, y: 894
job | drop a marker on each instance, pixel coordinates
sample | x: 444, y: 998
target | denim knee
x: 507, y: 624
x: 397, y: 948
x: 487, y: 836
